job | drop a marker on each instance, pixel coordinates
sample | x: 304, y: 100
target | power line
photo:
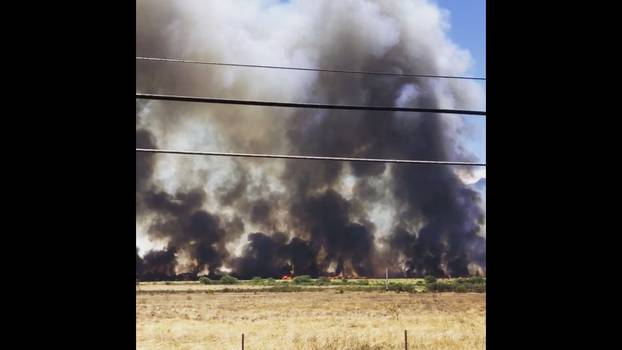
x: 173, y: 60
x: 281, y: 156
x: 303, y: 105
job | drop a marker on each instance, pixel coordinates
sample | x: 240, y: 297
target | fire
x: 286, y: 278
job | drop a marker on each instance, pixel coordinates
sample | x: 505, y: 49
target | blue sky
x: 468, y: 29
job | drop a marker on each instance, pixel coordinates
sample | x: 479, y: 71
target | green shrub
x: 399, y: 287
x: 322, y: 281
x: 439, y: 287
x: 227, y: 279
x: 477, y: 280
x: 205, y: 280
x: 269, y: 280
x: 256, y: 279
x: 302, y: 279
x: 461, y: 288
x: 420, y: 283
x: 362, y: 282
x: 430, y: 279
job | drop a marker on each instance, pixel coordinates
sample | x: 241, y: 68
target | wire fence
x: 405, y: 340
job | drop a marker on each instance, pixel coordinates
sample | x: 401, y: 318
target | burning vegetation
x: 290, y: 218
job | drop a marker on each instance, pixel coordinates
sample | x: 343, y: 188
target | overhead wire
x: 283, y: 156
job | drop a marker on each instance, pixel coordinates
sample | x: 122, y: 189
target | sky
x: 468, y: 29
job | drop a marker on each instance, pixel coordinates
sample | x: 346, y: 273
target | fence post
x: 405, y: 339
x: 242, y: 341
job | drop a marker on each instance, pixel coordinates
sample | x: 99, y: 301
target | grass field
x: 407, y: 285
x: 187, y: 316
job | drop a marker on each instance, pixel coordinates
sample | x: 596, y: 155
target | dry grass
x: 311, y: 320
x: 196, y: 287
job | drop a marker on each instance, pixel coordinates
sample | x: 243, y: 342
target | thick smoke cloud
x: 327, y: 219
x: 276, y: 255
x: 157, y: 265
x: 268, y: 218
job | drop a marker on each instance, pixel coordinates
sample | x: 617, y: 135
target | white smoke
x: 342, y: 34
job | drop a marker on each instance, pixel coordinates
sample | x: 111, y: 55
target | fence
x: 405, y: 340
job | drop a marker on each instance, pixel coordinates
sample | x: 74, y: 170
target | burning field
x: 276, y: 221
x: 267, y: 218
x: 326, y: 320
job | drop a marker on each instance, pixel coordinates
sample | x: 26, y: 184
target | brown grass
x: 195, y: 287
x: 311, y: 320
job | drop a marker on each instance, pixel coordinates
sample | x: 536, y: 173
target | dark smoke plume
x: 214, y: 215
x: 275, y: 256
x: 158, y: 265
x: 327, y: 219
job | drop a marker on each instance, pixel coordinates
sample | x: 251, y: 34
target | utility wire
x: 303, y: 105
x: 173, y: 60
x: 281, y: 156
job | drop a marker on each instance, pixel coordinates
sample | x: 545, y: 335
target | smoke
x: 264, y: 218
x: 326, y: 217
x: 157, y: 265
